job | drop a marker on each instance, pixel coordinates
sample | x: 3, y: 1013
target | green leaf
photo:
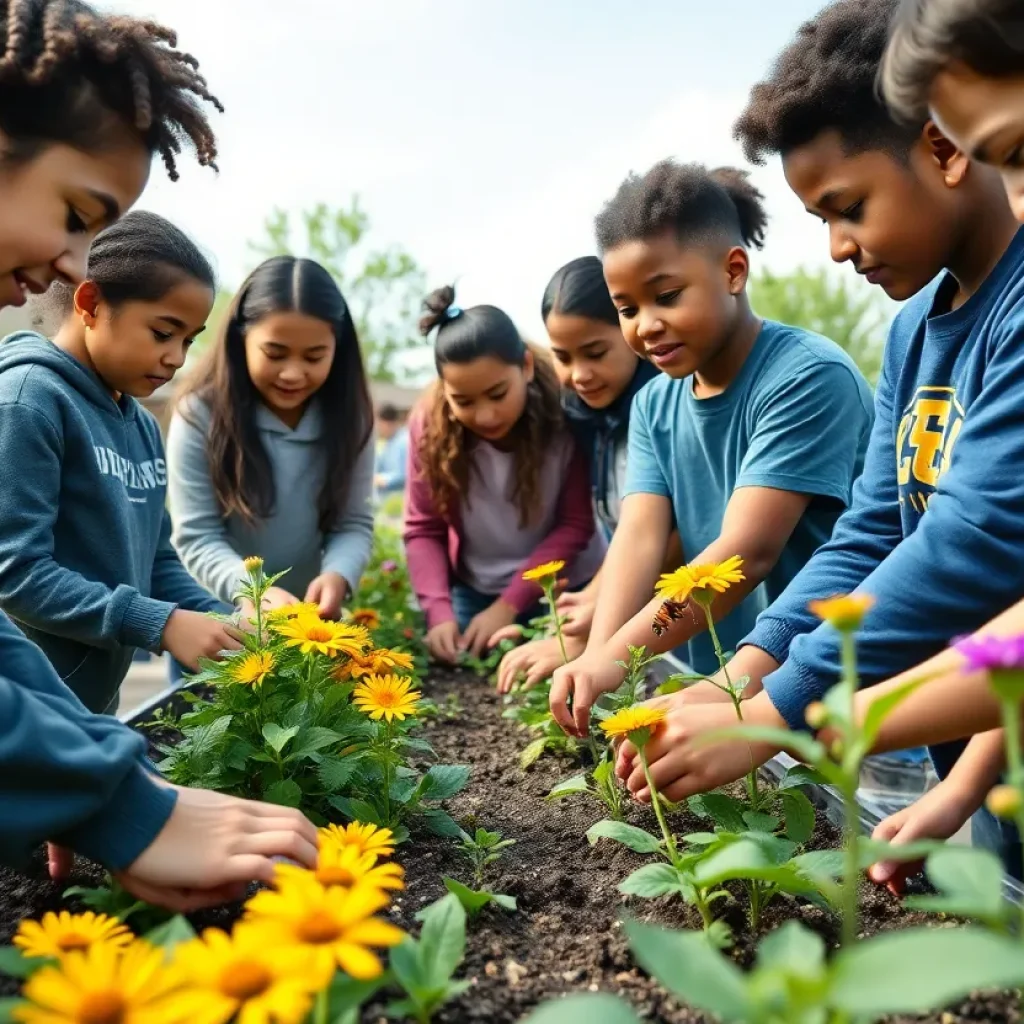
x: 629, y: 835
x: 821, y: 863
x: 8, y: 1005
x: 702, y: 838
x: 651, y: 881
x: 920, y: 969
x: 880, y: 709
x: 970, y: 881
x: 311, y: 740
x: 690, y: 968
x: 171, y: 933
x: 583, y: 1009
x: 443, y: 938
x: 532, y: 752
x: 443, y: 781
x: 801, y: 775
x: 804, y: 747
x: 504, y: 901
x: 799, y: 814
x: 356, y: 810
x: 285, y: 792
x: 277, y: 737
x: 472, y: 900
x: 794, y: 949
x: 410, y: 970
x: 441, y: 823
x: 757, y: 822
x: 334, y: 773
x: 347, y: 995
x: 577, y: 784
x: 723, y: 810
x: 870, y: 851
x: 15, y: 964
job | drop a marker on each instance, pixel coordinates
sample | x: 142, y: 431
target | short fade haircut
x: 929, y: 35
x: 825, y: 81
x: 695, y: 203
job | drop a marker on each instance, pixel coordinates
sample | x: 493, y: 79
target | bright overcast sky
x: 482, y: 135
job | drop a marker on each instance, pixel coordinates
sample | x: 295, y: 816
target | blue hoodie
x: 67, y: 775
x: 87, y: 569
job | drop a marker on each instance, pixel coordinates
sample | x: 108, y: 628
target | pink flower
x: 992, y: 652
x: 388, y: 566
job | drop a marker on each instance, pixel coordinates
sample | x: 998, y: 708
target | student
x: 86, y: 564
x: 270, y: 451
x: 750, y: 439
x: 392, y: 451
x: 496, y: 484
x: 599, y: 375
x: 937, y: 525
x: 72, y: 158
x: 964, y: 60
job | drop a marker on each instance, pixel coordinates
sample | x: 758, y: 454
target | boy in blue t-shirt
x: 936, y: 530
x: 749, y: 441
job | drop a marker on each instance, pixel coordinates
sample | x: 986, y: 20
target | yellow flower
x: 385, y: 658
x: 1003, y: 801
x: 252, y: 668
x: 311, y: 633
x: 717, y: 576
x: 374, y: 663
x: 242, y: 974
x: 292, y: 611
x: 346, y: 866
x: 845, y: 611
x: 335, y: 924
x: 253, y: 564
x: 387, y: 697
x: 368, y: 617
x: 57, y: 934
x: 638, y: 723
x: 103, y: 985
x: 363, y: 838
x: 544, y: 573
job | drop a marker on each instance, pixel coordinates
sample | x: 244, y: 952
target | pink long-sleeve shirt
x: 439, y: 549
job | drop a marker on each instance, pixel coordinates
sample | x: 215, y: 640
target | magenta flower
x: 388, y: 566
x: 992, y: 652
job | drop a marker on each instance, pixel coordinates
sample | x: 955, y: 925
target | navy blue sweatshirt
x: 67, y: 775
x: 87, y: 569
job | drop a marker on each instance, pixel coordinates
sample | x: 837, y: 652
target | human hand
x: 278, y: 597
x: 584, y: 679
x: 939, y: 814
x: 577, y: 610
x: 189, y: 636
x: 212, y: 846
x: 443, y: 642
x: 59, y: 861
x: 534, y: 662
x: 484, y: 625
x: 681, y: 765
x: 328, y: 590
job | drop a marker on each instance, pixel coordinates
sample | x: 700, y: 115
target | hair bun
x: 436, y: 306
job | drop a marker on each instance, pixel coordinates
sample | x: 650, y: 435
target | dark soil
x: 566, y: 936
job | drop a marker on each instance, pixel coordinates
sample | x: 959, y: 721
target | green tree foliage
x: 383, y: 287
x: 825, y: 302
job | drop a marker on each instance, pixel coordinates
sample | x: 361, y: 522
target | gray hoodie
x: 87, y: 569
x: 212, y: 546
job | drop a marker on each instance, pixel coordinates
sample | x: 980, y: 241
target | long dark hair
x: 444, y: 450
x: 239, y: 466
x: 579, y: 289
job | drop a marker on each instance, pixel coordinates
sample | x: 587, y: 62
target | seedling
x: 602, y: 786
x: 482, y: 849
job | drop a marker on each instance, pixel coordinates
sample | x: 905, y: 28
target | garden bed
x: 565, y: 936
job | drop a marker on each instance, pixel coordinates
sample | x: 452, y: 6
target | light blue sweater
x: 212, y: 547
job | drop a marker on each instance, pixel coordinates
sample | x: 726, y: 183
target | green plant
x: 114, y: 900
x: 474, y: 900
x: 605, y: 788
x: 424, y: 967
x: 482, y: 849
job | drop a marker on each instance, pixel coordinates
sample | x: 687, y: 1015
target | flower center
x: 319, y: 634
x: 244, y: 980
x: 335, y: 874
x: 73, y: 940
x: 102, y: 1008
x: 318, y: 929
x: 386, y: 698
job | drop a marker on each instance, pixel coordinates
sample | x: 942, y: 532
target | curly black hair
x: 73, y: 75
x: 696, y: 203
x: 825, y: 80
x: 928, y: 35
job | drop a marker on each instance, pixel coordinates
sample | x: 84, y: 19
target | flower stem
x: 322, y: 1009
x: 549, y: 593
x: 388, y: 742
x: 851, y: 810
x: 670, y: 843
x: 1011, y: 728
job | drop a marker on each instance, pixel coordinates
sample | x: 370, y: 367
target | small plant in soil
x: 114, y: 901
x: 601, y: 784
x: 481, y: 848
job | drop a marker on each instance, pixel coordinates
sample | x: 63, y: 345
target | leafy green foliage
x: 474, y: 900
x: 482, y: 849
x: 114, y: 900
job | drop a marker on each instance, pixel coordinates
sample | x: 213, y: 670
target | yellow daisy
x: 844, y: 611
x: 717, y: 576
x: 241, y: 977
x: 346, y: 866
x: 367, y: 617
x: 292, y: 611
x: 638, y: 723
x: 103, y: 985
x: 541, y: 573
x: 253, y: 564
x: 363, y: 838
x: 335, y: 924
x: 310, y: 633
x: 251, y: 668
x: 375, y: 663
x: 387, y: 697
x: 57, y: 934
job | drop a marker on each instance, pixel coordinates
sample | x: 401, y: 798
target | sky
x: 481, y: 135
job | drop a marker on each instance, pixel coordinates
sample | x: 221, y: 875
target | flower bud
x: 816, y: 715
x: 253, y: 564
x: 835, y: 750
x: 1003, y: 801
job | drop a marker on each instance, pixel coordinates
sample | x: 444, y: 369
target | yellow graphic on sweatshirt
x: 925, y: 440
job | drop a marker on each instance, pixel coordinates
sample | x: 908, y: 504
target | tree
x: 383, y: 287
x: 820, y: 301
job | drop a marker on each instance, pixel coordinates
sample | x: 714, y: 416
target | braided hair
x: 73, y: 75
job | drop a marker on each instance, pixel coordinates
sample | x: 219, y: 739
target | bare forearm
x: 635, y: 572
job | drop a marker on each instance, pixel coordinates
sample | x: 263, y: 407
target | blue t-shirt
x: 796, y: 418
